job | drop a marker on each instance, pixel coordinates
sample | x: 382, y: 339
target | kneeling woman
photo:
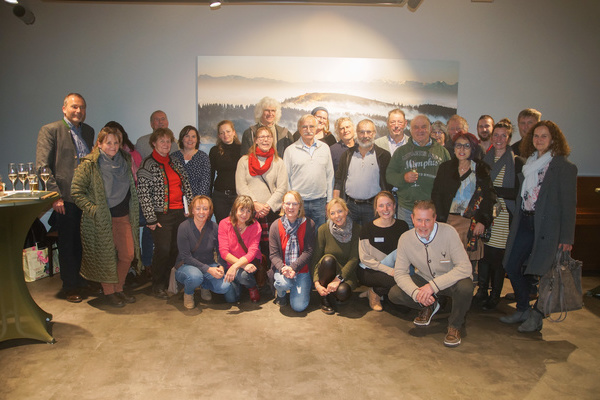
x: 291, y: 241
x: 337, y: 252
x: 197, y: 240
x: 239, y: 237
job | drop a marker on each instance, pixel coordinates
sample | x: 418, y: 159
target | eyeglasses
x: 266, y: 137
x: 465, y: 146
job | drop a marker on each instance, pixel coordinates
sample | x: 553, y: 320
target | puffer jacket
x: 99, y: 260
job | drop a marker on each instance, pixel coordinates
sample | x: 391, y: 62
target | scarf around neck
x: 506, y: 160
x: 292, y: 247
x: 115, y: 174
x: 254, y: 164
x: 531, y: 171
x: 342, y: 234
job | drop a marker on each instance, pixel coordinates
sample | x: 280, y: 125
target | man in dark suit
x: 60, y: 146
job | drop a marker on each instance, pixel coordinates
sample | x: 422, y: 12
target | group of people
x: 411, y: 216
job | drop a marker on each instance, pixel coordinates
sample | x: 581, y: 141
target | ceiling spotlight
x: 215, y: 5
x: 12, y: 1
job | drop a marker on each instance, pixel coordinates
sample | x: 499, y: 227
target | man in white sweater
x: 442, y: 267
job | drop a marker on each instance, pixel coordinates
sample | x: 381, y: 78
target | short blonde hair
x: 298, y: 199
x: 340, y: 202
x: 199, y: 199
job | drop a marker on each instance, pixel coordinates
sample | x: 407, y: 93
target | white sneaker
x: 205, y: 294
x: 188, y: 301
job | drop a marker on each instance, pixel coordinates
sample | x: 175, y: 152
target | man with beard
x: 396, y: 138
x: 485, y: 125
x: 361, y: 173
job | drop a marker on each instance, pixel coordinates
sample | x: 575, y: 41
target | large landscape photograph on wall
x: 229, y: 88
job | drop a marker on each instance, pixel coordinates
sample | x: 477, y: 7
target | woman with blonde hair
x: 337, y: 256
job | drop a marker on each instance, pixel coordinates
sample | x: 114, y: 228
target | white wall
x: 130, y: 59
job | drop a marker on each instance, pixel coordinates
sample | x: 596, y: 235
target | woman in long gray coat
x: 103, y: 188
x: 545, y: 216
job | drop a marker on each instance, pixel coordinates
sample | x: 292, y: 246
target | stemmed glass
x: 45, y: 175
x: 22, y: 173
x: 415, y: 184
x: 12, y: 174
x: 32, y: 177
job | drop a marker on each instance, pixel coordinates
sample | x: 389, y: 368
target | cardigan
x: 270, y: 190
x: 442, y: 262
x: 278, y: 240
x: 187, y: 240
x: 346, y: 254
x: 228, y: 241
x: 198, y: 171
x: 376, y: 243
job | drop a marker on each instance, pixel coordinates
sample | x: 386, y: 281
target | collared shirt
x: 362, y: 182
x: 336, y: 153
x: 393, y: 145
x: 428, y: 240
x: 81, y: 147
x: 310, y: 171
x: 426, y: 144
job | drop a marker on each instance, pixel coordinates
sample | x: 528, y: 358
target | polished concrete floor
x: 158, y: 350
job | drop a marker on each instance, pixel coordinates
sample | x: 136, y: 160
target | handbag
x: 560, y: 288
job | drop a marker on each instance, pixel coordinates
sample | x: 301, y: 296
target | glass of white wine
x: 22, y: 174
x: 12, y: 174
x: 45, y: 175
x: 32, y: 177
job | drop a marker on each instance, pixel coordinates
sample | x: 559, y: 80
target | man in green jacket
x: 413, y: 167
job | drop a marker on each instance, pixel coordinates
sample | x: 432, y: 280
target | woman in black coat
x: 463, y: 194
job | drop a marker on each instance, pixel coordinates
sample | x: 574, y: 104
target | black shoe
x: 160, y: 293
x: 490, y: 304
x: 326, y: 305
x: 126, y: 298
x: 114, y: 300
x: 93, y: 290
x: 480, y: 297
x: 281, y: 301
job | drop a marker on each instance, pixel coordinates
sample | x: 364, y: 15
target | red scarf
x: 254, y: 164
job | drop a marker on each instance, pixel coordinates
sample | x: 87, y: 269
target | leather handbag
x: 560, y: 288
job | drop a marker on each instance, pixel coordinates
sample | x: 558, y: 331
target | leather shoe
x: 533, y: 323
x: 517, y: 316
x: 114, y: 300
x: 73, y: 297
x: 326, y: 305
x: 160, y: 293
x: 126, y: 298
x: 374, y: 300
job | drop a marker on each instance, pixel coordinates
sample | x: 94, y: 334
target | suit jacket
x: 554, y: 219
x: 55, y: 149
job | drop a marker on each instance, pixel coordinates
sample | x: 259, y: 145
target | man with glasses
x: 310, y: 170
x: 361, y: 173
x: 413, y: 167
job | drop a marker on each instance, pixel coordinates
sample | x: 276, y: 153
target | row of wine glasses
x: 27, y: 173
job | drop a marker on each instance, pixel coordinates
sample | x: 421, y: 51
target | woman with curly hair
x: 544, y: 219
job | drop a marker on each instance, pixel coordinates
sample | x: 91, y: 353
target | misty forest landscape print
x: 229, y: 88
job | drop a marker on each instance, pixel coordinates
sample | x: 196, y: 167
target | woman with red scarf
x: 262, y: 176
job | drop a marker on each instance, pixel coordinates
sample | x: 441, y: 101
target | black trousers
x: 69, y: 247
x: 165, y: 246
x: 490, y: 266
x: 379, y: 281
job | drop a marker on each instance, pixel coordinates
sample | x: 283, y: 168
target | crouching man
x: 442, y: 268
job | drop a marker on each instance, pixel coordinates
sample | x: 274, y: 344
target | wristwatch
x: 340, y: 278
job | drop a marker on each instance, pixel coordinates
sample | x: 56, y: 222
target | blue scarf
x: 292, y: 248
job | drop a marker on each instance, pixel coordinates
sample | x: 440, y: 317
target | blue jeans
x: 404, y: 214
x: 522, y: 246
x: 361, y: 213
x: 147, y: 244
x: 315, y: 210
x: 242, y: 278
x: 191, y: 277
x: 299, y: 288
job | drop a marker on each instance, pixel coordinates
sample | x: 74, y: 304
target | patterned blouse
x: 198, y: 171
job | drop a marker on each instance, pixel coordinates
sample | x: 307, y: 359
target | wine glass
x: 45, y: 175
x: 12, y: 174
x: 31, y: 176
x: 22, y: 174
x: 415, y: 184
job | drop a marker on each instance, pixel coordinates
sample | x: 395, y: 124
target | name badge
x: 444, y: 261
x: 379, y: 240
